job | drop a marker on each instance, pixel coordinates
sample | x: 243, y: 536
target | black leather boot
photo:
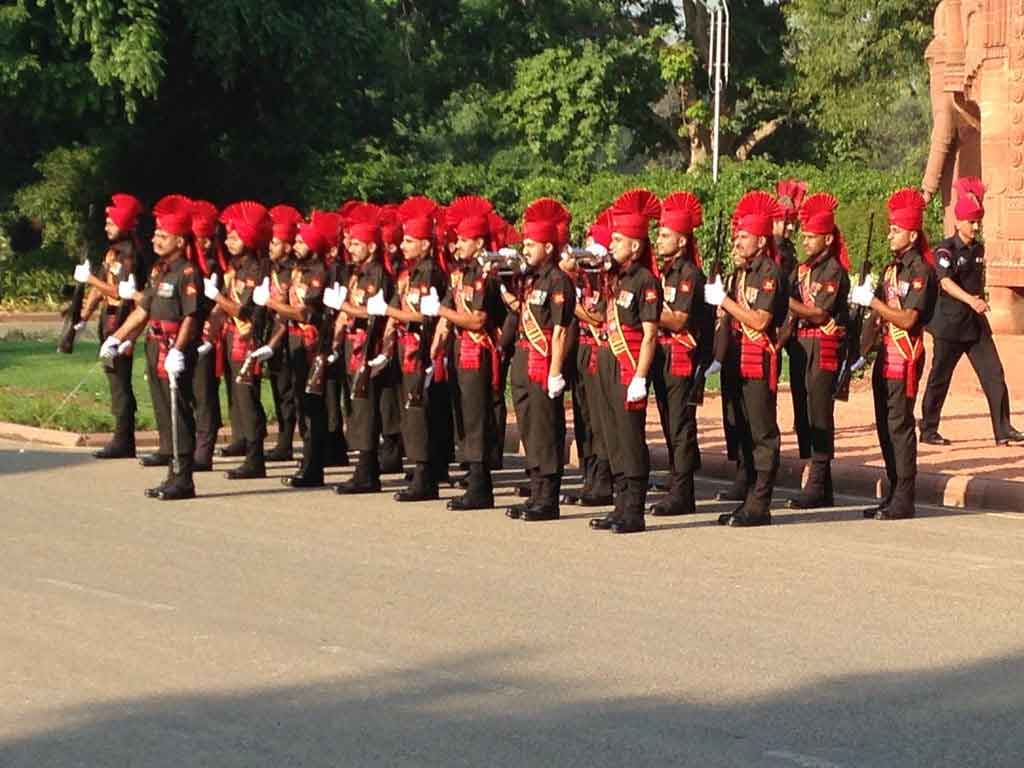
x: 254, y: 466
x: 421, y: 488
x: 901, y: 507
x: 232, y: 449
x: 366, y: 478
x: 881, y: 506
x: 544, y: 506
x: 741, y: 483
x: 479, y: 491
x: 814, y: 493
x: 632, y: 519
x: 181, y: 487
x: 120, y: 447
x: 757, y: 508
x: 680, y: 501
x: 155, y: 459
x: 391, y: 455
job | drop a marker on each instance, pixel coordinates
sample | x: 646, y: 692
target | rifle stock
x: 710, y: 345
x: 861, y: 324
x: 66, y: 342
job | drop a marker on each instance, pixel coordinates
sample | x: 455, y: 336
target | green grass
x: 35, y: 380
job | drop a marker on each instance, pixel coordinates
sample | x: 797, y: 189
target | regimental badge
x: 187, y: 271
x: 250, y: 283
x: 670, y: 295
x: 165, y: 290
x: 651, y: 295
x: 686, y: 286
x: 537, y: 296
x: 558, y: 298
x: 750, y: 293
x: 904, y: 286
x: 917, y: 284
x: 479, y: 284
x: 625, y: 299
x: 413, y: 297
x: 768, y: 285
x: 944, y: 262
x: 190, y: 289
x: 315, y: 282
x: 830, y: 287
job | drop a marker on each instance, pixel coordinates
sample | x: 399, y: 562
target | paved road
x: 265, y: 627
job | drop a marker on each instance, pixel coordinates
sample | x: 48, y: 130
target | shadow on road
x: 474, y: 711
x: 36, y: 459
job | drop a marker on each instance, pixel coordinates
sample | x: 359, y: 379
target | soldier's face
x: 166, y: 244
x: 360, y: 251
x: 968, y: 230
x: 466, y: 248
x: 746, y: 246
x: 111, y: 229
x: 900, y: 239
x: 414, y: 249
x: 669, y: 242
x: 279, y: 249
x: 536, y: 252
x: 815, y: 245
x: 624, y: 248
x: 779, y: 228
x: 234, y: 244
x: 300, y: 247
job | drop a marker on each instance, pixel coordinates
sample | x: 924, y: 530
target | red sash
x: 902, y: 351
x: 625, y: 345
x: 679, y: 348
x: 754, y: 345
x: 358, y: 339
x: 162, y: 333
x: 473, y: 344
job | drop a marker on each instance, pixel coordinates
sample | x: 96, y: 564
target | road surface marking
x: 107, y: 595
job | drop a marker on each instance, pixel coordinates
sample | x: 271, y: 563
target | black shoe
x: 890, y: 514
x: 726, y: 517
x: 515, y: 512
x: 417, y: 494
x: 537, y: 514
x: 570, y: 497
x: 298, y: 481
x: 595, y: 501
x: 1013, y: 437
x: 629, y: 524
x: 112, y: 451
x: 155, y: 460
x: 280, y: 454
x: 732, y: 494
x: 467, y: 502
x: 934, y: 438
x: 154, y: 492
x: 602, y: 523
x: 881, y: 506
x: 176, y: 492
x: 353, y: 486
x: 230, y: 450
x: 808, y: 502
x: 669, y: 508
x: 743, y: 520
x: 246, y: 472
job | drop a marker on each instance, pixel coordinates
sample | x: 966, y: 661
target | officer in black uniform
x: 756, y: 307
x: 633, y: 309
x: 170, y: 303
x: 546, y: 309
x: 819, y: 292
x: 902, y: 303
x: 369, y: 284
x: 959, y: 325
x: 123, y: 260
x: 682, y: 281
x: 249, y: 231
x: 473, y: 306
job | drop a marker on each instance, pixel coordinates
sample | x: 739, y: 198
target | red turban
x: 204, y: 218
x: 124, y: 211
x: 601, y: 229
x: 390, y: 225
x: 791, y: 195
x: 543, y: 220
x: 328, y: 224
x: 755, y: 213
x: 250, y: 221
x: 906, y: 211
x: 345, y: 210
x: 174, y: 215
x: 681, y: 212
x: 970, y: 194
x: 418, y: 216
x: 312, y: 236
x: 285, y: 222
x: 363, y: 223
x: 469, y: 216
x: 818, y: 217
x: 633, y: 213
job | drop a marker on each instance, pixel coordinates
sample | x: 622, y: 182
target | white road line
x: 1007, y: 515
x: 107, y: 595
x: 804, y: 761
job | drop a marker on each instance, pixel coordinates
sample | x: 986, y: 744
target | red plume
x: 681, y: 212
x: 791, y: 196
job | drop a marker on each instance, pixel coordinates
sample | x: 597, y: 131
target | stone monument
x: 976, y: 61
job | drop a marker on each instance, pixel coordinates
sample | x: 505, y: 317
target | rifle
x: 318, y: 370
x: 73, y: 314
x: 854, y: 351
x: 375, y: 327
x: 714, y: 342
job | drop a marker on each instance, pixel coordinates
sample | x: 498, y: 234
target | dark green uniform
x: 797, y: 357
x: 119, y: 262
x: 206, y: 377
x: 279, y: 370
x: 597, y: 474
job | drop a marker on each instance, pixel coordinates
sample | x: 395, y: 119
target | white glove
x: 430, y: 305
x: 82, y: 272
x: 714, y: 368
x: 508, y: 253
x: 861, y: 362
x: 376, y: 306
x: 579, y: 294
x: 261, y: 293
x: 596, y: 249
x: 335, y: 296
x: 262, y: 354
x: 332, y: 358
x: 428, y: 376
x: 556, y: 386
x: 378, y: 364
x: 79, y: 325
x: 126, y: 288
x: 210, y: 287
x: 174, y: 363
x: 205, y: 348
x: 125, y: 348
x: 864, y: 293
x: 108, y: 350
x: 503, y: 288
x: 637, y: 390
x: 714, y: 293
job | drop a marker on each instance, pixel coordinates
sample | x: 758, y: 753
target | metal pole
x: 717, y: 27
x: 175, y: 462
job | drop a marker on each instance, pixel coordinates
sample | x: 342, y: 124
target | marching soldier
x: 286, y: 221
x: 682, y: 280
x: 959, y: 325
x: 391, y: 448
x: 546, y: 309
x: 790, y: 193
x: 819, y: 291
x: 425, y: 408
x: 248, y: 233
x: 633, y: 309
x: 473, y: 307
x: 123, y: 260
x: 903, y: 305
x: 370, y: 285
x: 334, y: 226
x: 310, y: 337
x: 210, y: 260
x: 756, y: 307
x: 170, y: 304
